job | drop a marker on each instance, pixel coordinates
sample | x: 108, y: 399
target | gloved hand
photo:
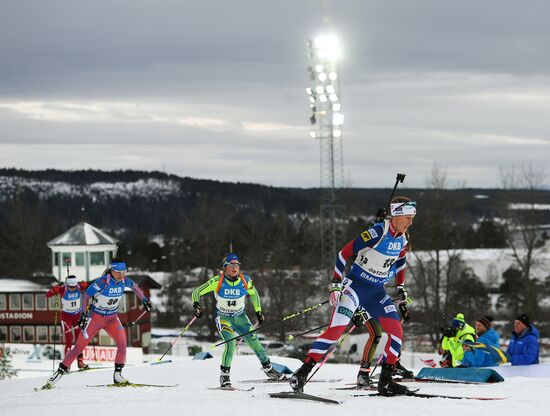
x: 380, y: 214
x: 147, y: 305
x: 402, y: 293
x: 82, y: 321
x: 359, y: 318
x: 197, y: 309
x: 404, y: 310
x: 260, y: 316
x: 334, y: 294
x: 448, y: 332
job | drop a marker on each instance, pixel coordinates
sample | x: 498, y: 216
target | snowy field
x: 192, y: 396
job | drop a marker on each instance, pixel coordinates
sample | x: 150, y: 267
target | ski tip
x: 160, y: 362
x: 303, y: 396
x: 230, y: 388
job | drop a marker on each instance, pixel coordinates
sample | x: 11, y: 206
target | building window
x: 110, y: 257
x: 15, y: 334
x: 55, y: 332
x: 97, y: 258
x: 41, y: 302
x: 15, y: 301
x: 123, y: 304
x: 28, y: 301
x: 28, y: 334
x: 79, y: 259
x: 134, y: 333
x: 2, y: 302
x: 54, y: 303
x: 42, y: 334
x: 105, y: 339
x: 66, y: 259
x: 3, y: 333
x: 55, y: 259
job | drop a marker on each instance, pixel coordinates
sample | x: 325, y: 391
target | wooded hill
x: 168, y: 222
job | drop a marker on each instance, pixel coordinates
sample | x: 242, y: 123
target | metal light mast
x: 327, y: 117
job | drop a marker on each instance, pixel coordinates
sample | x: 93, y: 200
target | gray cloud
x: 192, y: 86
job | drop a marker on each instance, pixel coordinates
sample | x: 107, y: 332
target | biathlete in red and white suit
x: 71, y: 295
x: 105, y: 294
x: 380, y: 255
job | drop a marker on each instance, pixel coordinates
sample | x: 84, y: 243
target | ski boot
x: 81, y: 364
x: 118, y: 378
x: 388, y: 387
x: 52, y: 381
x: 271, y: 372
x: 299, y: 378
x: 224, y: 377
x: 363, y: 378
x: 402, y: 371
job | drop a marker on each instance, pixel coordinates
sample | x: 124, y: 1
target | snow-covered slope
x: 193, y: 398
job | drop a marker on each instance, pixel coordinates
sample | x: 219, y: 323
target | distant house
x: 85, y: 249
x: 27, y: 316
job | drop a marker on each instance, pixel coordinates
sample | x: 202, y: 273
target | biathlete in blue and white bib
x: 380, y: 255
x: 104, y: 294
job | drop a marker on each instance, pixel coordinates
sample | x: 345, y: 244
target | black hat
x: 523, y: 318
x: 485, y: 320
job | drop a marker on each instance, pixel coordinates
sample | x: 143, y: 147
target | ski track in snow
x: 192, y: 396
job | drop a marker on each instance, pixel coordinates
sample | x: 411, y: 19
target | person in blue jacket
x: 478, y: 355
x: 524, y: 342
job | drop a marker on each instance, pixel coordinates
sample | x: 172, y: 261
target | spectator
x: 454, y: 336
x: 524, y: 342
x: 479, y: 354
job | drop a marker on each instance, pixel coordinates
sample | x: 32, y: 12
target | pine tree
x: 6, y: 369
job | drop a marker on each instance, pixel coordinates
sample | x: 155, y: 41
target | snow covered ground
x: 192, y: 396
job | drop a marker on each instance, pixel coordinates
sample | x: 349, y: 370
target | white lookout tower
x: 87, y: 250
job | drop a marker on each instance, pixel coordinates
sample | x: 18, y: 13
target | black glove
x: 404, y: 310
x: 359, y: 318
x: 82, y: 321
x: 380, y: 214
x: 147, y: 305
x: 260, y: 316
x: 197, y: 309
x: 448, y: 332
x: 402, y: 293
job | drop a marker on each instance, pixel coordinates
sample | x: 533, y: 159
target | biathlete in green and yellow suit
x: 454, y: 337
x: 230, y: 288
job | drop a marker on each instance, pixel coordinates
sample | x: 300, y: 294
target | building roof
x: 26, y: 284
x: 43, y: 283
x: 82, y: 234
x: 142, y: 279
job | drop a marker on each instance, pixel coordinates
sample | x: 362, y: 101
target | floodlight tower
x: 327, y: 119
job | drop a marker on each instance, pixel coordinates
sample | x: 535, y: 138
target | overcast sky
x: 216, y: 89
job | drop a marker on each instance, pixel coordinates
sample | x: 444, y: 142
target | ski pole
x: 179, y: 335
x: 330, y: 352
x: 291, y: 337
x: 284, y: 318
x: 70, y: 329
x: 135, y: 322
x: 377, y: 364
x: 399, y: 179
x: 55, y: 329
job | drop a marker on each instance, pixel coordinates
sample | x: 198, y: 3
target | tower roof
x: 82, y: 234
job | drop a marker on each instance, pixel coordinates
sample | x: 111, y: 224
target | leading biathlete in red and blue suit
x: 105, y: 294
x: 380, y: 256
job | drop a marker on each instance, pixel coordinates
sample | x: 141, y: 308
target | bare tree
x: 521, y: 219
x: 438, y: 268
